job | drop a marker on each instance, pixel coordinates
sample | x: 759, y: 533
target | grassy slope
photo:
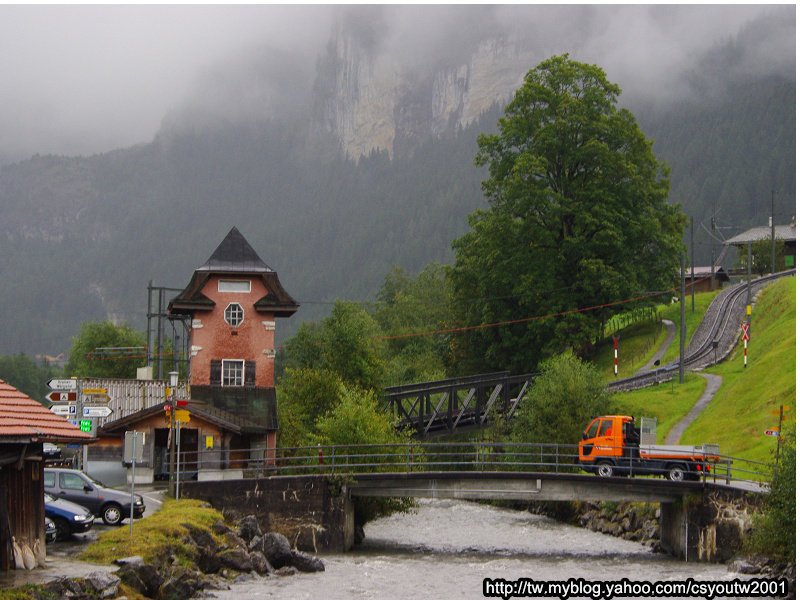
x: 693, y: 319
x: 742, y: 408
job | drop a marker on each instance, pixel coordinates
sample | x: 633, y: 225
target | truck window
x: 605, y: 428
x: 592, y: 431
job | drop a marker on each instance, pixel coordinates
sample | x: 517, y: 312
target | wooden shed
x: 24, y: 427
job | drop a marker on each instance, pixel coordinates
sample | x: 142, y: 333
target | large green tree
x: 85, y: 359
x: 578, y: 218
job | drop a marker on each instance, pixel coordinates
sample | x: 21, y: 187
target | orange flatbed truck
x: 613, y: 445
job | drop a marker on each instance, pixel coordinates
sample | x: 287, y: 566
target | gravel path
x: 663, y: 348
x: 712, y: 385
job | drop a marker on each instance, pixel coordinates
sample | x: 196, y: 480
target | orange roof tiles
x: 22, y: 419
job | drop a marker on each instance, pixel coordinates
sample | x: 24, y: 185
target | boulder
x: 236, y: 558
x: 181, y: 584
x: 249, y: 528
x: 260, y: 563
x: 201, y: 537
x: 220, y: 528
x: 103, y: 585
x: 207, y: 560
x: 231, y: 540
x: 257, y: 543
x: 277, y: 549
x: 306, y: 563
x: 142, y: 577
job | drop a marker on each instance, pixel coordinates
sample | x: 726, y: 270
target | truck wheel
x: 676, y: 473
x: 604, y: 469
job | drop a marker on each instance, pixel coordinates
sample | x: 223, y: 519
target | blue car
x: 50, y: 530
x: 70, y: 518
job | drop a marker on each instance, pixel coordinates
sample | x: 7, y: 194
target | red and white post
x: 616, y: 356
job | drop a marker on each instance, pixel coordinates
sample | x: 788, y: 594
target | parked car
x: 51, y: 451
x: 109, y: 504
x: 68, y: 517
x: 50, y: 530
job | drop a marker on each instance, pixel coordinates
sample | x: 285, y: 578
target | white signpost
x: 96, y: 411
x: 64, y: 410
x: 63, y: 385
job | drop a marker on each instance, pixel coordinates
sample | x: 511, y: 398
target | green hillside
x: 743, y: 407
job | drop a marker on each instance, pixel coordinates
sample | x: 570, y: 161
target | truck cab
x: 613, y: 445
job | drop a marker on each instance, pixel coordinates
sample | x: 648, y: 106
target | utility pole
x: 683, y: 319
x: 173, y: 383
x: 691, y: 245
x: 713, y: 257
x: 772, y: 230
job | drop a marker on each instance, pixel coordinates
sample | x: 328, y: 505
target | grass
x: 154, y: 536
x: 637, y: 343
x: 745, y: 404
x: 667, y: 402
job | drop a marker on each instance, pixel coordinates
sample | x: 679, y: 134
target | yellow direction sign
x: 94, y: 391
x: 182, y: 416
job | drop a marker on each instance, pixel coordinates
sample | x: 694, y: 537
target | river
x: 445, y: 548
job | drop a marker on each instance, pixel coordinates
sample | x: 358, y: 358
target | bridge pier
x: 706, y: 527
x: 314, y: 513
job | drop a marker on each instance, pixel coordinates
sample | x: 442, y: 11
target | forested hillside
x: 81, y: 237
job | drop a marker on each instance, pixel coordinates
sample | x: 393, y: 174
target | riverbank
x: 187, y: 549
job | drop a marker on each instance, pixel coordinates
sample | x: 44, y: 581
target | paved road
x: 663, y: 348
x: 712, y: 385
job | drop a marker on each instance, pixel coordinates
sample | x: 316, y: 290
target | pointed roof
x: 23, y: 420
x: 235, y: 255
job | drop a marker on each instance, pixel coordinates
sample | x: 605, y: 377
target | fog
x: 92, y: 78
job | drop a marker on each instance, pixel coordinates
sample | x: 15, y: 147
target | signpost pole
x: 133, y: 479
x: 79, y: 415
x: 173, y: 382
x: 178, y: 467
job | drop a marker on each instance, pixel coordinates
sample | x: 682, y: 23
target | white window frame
x: 232, y: 373
x: 229, y: 286
x: 240, y: 311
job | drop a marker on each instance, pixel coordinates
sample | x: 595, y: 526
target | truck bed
x: 701, y: 452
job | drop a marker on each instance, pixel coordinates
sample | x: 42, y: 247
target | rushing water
x: 446, y: 548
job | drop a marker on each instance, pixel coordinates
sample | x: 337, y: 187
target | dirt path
x: 663, y: 348
x: 712, y: 385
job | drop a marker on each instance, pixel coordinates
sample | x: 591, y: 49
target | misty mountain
x: 374, y: 168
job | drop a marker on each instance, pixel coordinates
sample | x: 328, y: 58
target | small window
x: 234, y: 314
x: 233, y: 287
x: 605, y: 428
x: 49, y: 479
x: 233, y: 372
x: 592, y: 431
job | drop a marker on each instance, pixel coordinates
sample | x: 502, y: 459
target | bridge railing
x: 424, y: 457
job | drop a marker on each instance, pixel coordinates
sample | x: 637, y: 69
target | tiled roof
x: 22, y: 419
x: 786, y: 233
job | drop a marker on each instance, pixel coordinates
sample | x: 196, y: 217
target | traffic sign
x: 182, y: 416
x: 86, y: 425
x: 63, y: 385
x: 96, y: 411
x: 745, y: 332
x: 62, y: 396
x: 772, y: 432
x: 62, y: 410
x: 97, y: 398
x: 93, y: 391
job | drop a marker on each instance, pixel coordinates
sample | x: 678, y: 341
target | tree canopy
x: 578, y: 218
x: 84, y: 360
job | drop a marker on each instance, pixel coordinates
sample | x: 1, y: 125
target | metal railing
x: 428, y: 457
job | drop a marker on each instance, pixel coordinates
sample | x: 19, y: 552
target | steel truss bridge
x: 464, y: 403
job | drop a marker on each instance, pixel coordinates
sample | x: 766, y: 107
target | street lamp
x: 173, y: 384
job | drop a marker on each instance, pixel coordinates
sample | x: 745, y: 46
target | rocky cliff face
x: 370, y: 102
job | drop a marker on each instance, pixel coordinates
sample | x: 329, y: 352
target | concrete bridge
x: 315, y: 505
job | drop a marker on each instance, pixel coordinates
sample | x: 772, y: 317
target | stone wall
x: 314, y: 513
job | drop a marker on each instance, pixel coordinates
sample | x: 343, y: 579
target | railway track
x: 715, y: 338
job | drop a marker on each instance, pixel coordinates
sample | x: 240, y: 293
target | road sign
x: 134, y: 446
x: 96, y: 411
x: 745, y: 332
x: 63, y: 385
x: 772, y: 432
x: 92, y: 391
x: 62, y: 396
x: 97, y: 398
x: 86, y: 425
x: 62, y: 410
x: 182, y: 416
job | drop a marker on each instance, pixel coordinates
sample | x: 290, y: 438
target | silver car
x: 76, y: 486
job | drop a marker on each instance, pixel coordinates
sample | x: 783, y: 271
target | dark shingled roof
x: 235, y: 255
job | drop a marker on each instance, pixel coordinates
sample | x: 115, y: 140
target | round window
x: 234, y: 315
